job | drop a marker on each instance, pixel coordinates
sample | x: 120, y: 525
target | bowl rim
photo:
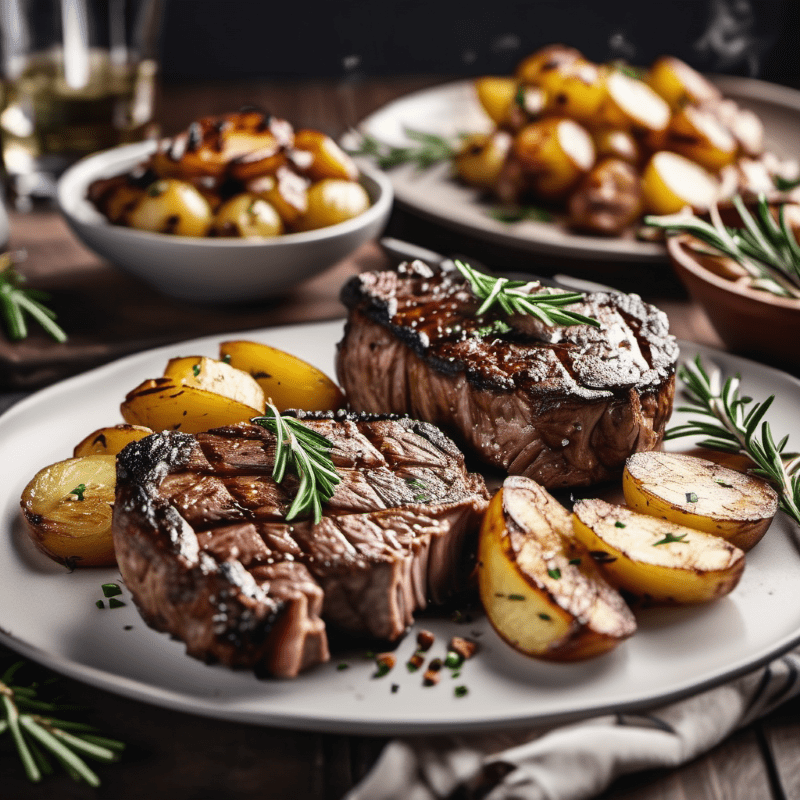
x: 678, y: 249
x: 71, y: 199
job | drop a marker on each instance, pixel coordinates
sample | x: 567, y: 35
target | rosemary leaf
x: 767, y: 249
x: 515, y: 297
x: 307, y: 453
x: 426, y: 150
x: 734, y: 423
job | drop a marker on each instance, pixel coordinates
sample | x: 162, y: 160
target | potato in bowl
x: 212, y: 269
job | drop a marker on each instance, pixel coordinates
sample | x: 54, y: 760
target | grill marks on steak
x: 205, y: 550
x: 563, y: 405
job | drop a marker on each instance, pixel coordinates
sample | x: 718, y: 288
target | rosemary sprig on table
x: 735, y: 424
x: 17, y: 302
x: 765, y: 247
x: 307, y: 453
x: 427, y: 149
x: 514, y: 297
x: 39, y: 736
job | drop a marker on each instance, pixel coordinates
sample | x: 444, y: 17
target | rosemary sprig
x: 765, y: 247
x: 16, y: 302
x: 735, y: 424
x: 307, y: 453
x: 514, y: 297
x: 785, y: 184
x: 40, y: 737
x: 427, y: 149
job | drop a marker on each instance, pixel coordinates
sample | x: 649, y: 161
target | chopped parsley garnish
x: 555, y: 573
x: 669, y: 538
x: 79, y: 491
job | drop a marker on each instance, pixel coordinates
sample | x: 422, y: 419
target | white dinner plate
x: 49, y: 614
x: 452, y: 108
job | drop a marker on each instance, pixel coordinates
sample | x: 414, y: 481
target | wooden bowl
x: 750, y: 322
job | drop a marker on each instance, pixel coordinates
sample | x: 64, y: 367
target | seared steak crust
x: 562, y: 405
x: 203, y: 545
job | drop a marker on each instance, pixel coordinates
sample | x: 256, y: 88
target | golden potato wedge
x: 654, y: 559
x: 67, y: 507
x: 671, y: 181
x: 576, y: 89
x: 171, y: 206
x: 700, y: 494
x: 216, y: 376
x: 110, y: 440
x: 247, y: 216
x: 614, y: 143
x: 496, y: 95
x: 288, y: 381
x: 328, y: 160
x: 679, y: 84
x: 697, y: 134
x: 554, y: 153
x: 331, y: 201
x: 540, y: 588
x: 631, y: 105
x: 481, y: 157
x: 162, y: 404
x: 551, y: 57
x: 286, y: 191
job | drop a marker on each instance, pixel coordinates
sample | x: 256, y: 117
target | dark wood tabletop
x: 172, y: 754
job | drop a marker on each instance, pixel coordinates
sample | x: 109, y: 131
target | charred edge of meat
x: 148, y: 460
x: 424, y: 429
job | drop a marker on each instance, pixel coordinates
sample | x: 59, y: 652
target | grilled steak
x: 203, y: 545
x: 562, y: 405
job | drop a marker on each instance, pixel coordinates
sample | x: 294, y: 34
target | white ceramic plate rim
x: 452, y: 108
x: 74, y: 205
x: 49, y: 616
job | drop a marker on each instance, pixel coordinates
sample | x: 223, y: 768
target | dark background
x: 255, y: 39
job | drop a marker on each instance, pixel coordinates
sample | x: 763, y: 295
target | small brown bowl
x: 749, y: 321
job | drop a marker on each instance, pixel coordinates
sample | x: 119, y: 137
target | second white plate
x: 452, y: 108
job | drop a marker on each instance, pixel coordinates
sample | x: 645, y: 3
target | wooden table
x: 177, y: 755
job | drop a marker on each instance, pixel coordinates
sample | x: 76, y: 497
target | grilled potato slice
x: 540, y: 588
x: 110, y: 440
x: 67, y: 507
x: 654, y: 559
x: 288, y: 381
x: 216, y: 376
x: 697, y: 134
x: 700, y: 494
x: 165, y: 404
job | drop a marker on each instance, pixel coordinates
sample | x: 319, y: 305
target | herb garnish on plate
x: 733, y: 423
x: 307, y: 453
x: 515, y: 297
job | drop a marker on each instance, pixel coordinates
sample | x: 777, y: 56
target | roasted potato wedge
x: 171, y: 206
x: 481, y: 157
x: 631, y: 105
x: 248, y: 216
x: 288, y: 381
x: 654, y: 559
x: 328, y: 160
x: 110, y: 440
x: 551, y: 57
x: 541, y: 590
x: 700, y: 494
x: 575, y: 89
x: 497, y: 96
x: 679, y: 84
x: 697, y: 134
x: 216, y: 376
x: 67, y: 507
x: 671, y: 182
x: 331, y: 201
x: 554, y: 153
x: 164, y: 404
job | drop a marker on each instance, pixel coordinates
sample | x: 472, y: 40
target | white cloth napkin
x: 576, y: 761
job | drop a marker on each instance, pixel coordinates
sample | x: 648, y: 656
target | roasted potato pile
x: 605, y: 144
x: 248, y: 175
x: 552, y: 583
x: 67, y: 506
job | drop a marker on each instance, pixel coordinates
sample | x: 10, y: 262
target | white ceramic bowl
x: 208, y: 269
